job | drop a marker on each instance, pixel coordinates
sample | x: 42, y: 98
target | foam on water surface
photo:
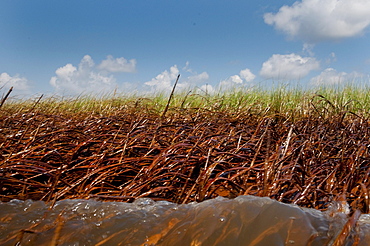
x: 245, y: 220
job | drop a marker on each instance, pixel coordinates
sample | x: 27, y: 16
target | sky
x: 140, y: 46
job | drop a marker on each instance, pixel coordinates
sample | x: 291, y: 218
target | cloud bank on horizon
x: 308, y: 21
x: 90, y: 78
x: 16, y: 81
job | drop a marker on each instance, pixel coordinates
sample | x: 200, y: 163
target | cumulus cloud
x: 194, y: 80
x: 165, y: 80
x: 330, y: 76
x: 234, y: 79
x: 17, y: 82
x: 87, y: 77
x: 288, y: 67
x: 247, y: 75
x: 319, y: 20
x: 206, y: 88
x: 244, y: 76
x: 118, y: 65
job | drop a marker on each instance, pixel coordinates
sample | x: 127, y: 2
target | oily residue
x: 190, y: 155
x: 245, y: 220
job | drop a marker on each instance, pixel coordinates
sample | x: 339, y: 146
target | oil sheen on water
x: 245, y: 220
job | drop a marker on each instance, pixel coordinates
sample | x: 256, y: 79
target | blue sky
x: 95, y: 46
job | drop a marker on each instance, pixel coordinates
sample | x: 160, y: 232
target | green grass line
x: 281, y: 100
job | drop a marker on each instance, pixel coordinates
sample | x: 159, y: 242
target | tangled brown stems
x: 191, y: 155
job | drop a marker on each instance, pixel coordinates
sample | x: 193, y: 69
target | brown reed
x: 192, y: 154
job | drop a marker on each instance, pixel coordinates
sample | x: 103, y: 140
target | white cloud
x: 86, y: 63
x: 206, y: 88
x: 118, y: 65
x: 319, y: 20
x: 18, y: 83
x: 247, y: 75
x: 288, y: 67
x: 187, y: 67
x: 194, y: 80
x: 65, y: 73
x: 235, y: 80
x: 88, y: 78
x: 330, y: 76
x: 230, y: 82
x: 163, y: 81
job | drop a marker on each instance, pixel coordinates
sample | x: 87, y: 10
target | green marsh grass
x: 290, y: 102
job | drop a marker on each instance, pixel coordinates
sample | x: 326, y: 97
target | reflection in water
x: 246, y: 220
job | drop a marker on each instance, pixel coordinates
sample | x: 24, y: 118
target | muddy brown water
x: 245, y: 220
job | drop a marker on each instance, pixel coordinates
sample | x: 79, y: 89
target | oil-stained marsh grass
x: 303, y: 147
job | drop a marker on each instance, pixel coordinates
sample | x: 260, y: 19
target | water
x: 245, y: 220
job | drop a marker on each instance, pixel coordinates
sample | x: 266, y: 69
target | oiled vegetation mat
x: 191, y: 154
